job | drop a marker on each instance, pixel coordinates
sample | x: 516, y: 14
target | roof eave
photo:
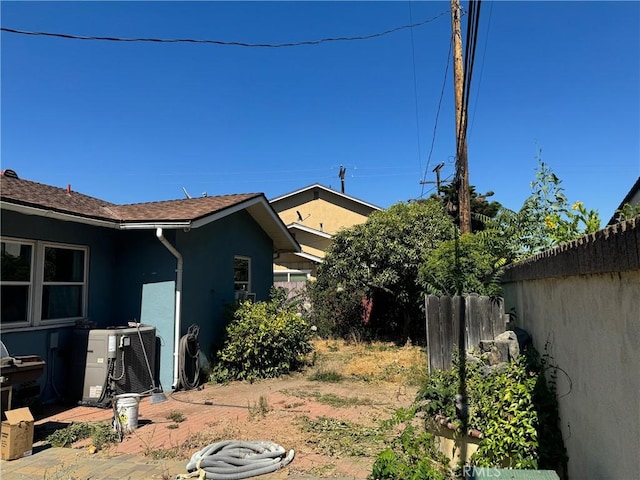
x: 327, y: 189
x: 58, y: 215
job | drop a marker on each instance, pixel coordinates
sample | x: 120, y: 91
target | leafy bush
x: 263, y: 340
x: 512, y: 406
x: 366, y: 286
x: 413, y: 456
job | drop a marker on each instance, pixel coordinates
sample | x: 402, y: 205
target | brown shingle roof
x: 38, y: 195
x: 176, y: 210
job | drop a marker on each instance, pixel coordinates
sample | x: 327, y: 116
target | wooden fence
x: 484, y: 318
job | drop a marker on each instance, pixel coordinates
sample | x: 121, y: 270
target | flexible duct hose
x: 190, y: 347
x: 234, y: 460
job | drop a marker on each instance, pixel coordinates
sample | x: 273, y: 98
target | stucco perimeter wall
x: 589, y: 324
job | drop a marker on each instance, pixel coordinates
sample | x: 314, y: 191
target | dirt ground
x: 331, y: 414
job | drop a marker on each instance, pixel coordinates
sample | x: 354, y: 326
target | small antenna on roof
x: 343, y: 170
x: 186, y: 194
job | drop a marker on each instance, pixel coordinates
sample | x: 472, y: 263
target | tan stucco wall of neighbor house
x: 315, y: 212
x: 585, y: 313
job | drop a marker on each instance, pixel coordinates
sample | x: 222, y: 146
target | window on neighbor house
x: 242, y: 274
x: 42, y: 283
x: 291, y: 275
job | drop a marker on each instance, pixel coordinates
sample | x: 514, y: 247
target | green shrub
x: 512, y: 406
x: 263, y: 340
x: 413, y: 456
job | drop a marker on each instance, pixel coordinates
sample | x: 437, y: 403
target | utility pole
x: 437, y: 172
x: 462, y: 166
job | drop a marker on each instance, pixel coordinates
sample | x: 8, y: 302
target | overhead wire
x: 435, y: 123
x: 415, y: 88
x: 222, y: 42
x: 469, y: 60
x: 484, y: 53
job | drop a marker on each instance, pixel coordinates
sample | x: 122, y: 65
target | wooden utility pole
x: 462, y: 166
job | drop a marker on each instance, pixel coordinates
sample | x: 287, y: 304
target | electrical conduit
x: 178, y: 324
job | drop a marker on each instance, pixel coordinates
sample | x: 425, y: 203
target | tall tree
x: 379, y: 260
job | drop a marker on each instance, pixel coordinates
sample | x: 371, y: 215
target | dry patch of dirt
x: 332, y: 414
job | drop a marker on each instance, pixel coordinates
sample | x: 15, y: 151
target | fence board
x: 473, y: 324
x: 446, y: 325
x: 484, y: 317
x: 497, y: 316
x: 434, y: 333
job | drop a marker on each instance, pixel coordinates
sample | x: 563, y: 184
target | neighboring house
x: 632, y: 198
x: 71, y: 260
x: 313, y: 215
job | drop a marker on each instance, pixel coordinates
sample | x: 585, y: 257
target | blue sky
x: 135, y: 122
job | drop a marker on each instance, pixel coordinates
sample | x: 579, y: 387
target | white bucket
x: 127, y: 411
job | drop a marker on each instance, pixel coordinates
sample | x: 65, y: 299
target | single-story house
x: 72, y: 261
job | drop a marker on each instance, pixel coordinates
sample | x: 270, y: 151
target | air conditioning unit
x: 120, y: 357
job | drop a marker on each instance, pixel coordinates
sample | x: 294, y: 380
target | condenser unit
x: 120, y: 358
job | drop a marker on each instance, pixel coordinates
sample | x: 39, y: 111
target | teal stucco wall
x: 55, y: 382
x: 132, y: 277
x: 208, y: 272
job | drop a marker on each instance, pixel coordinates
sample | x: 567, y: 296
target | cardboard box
x: 17, y: 434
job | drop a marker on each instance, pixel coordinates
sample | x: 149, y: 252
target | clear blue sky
x: 135, y: 122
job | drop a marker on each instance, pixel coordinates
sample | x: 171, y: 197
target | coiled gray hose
x: 234, y: 460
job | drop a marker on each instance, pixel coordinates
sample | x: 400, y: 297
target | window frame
x: 248, y: 282
x: 30, y: 283
x: 36, y: 291
x: 84, y: 283
x: 290, y: 272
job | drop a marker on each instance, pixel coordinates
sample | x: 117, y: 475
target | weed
x: 259, y: 409
x: 335, y: 437
x: 176, y: 416
x: 330, y: 399
x: 101, y: 434
x: 333, y: 347
x: 328, y: 376
x: 173, y: 426
x: 337, y: 401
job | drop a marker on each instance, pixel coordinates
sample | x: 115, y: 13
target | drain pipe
x: 178, y: 324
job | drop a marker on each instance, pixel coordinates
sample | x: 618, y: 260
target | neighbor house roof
x: 45, y: 200
x: 633, y: 198
x: 326, y: 189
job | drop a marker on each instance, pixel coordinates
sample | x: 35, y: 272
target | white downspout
x: 178, y: 325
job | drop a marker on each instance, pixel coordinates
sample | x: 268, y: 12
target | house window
x: 63, y: 283
x: 17, y: 281
x: 242, y: 274
x: 42, y: 283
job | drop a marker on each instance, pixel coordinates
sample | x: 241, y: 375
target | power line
x: 415, y: 89
x: 435, y: 125
x: 470, y: 54
x: 223, y: 42
x: 484, y: 53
